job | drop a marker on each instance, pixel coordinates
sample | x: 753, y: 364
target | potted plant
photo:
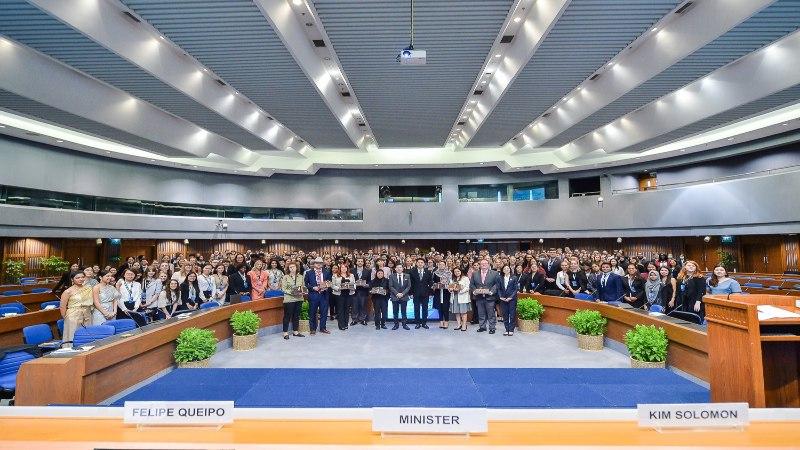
x: 13, y: 270
x: 245, y: 326
x: 195, y: 348
x: 590, y: 326
x: 304, y: 325
x: 529, y: 311
x: 54, y: 265
x: 647, y: 347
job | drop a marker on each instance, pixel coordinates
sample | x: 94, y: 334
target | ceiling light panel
x: 768, y: 25
x: 412, y: 105
x: 587, y: 35
x: 33, y: 27
x: 235, y: 41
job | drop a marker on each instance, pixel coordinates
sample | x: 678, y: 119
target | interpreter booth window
x: 581, y: 187
x: 405, y: 194
x: 517, y: 192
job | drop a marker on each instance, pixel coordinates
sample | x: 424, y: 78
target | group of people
x: 339, y: 286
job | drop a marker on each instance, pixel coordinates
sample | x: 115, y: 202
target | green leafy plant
x: 588, y: 322
x: 195, y: 344
x: 13, y: 270
x: 54, y: 265
x: 245, y: 323
x: 304, y: 311
x: 529, y: 309
x: 647, y: 343
x: 726, y: 260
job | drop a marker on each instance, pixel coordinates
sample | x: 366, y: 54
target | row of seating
x: 21, y: 292
x: 16, y: 308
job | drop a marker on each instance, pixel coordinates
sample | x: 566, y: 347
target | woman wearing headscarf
x: 652, y: 290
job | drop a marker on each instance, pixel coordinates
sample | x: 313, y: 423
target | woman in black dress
x: 692, y: 288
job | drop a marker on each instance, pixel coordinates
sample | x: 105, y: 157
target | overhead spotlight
x: 498, y: 55
x: 402, y: 241
x: 707, y: 239
x: 263, y: 241
x: 59, y: 140
x: 541, y: 241
x: 611, y: 64
x: 468, y: 241
x: 619, y: 240
x: 3, y: 126
x: 336, y: 241
x: 297, y: 2
x: 600, y: 201
x: 186, y: 241
x: 98, y: 241
x: 161, y: 36
x: 517, y: 19
x: 730, y: 138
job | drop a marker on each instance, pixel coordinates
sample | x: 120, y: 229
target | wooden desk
x: 31, y: 301
x: 688, y: 346
x: 91, y: 377
x: 11, y: 327
x: 758, y: 361
x: 26, y: 288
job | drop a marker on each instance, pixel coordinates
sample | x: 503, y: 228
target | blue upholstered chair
x: 209, y: 305
x: 12, y: 292
x: 51, y: 304
x: 583, y: 296
x: 656, y: 308
x: 87, y: 335
x: 121, y: 325
x: 9, y: 366
x: 4, y: 311
x: 245, y: 298
x: 753, y: 285
x: 18, y: 307
x: 40, y: 290
x: 27, y: 280
x: 273, y: 293
x: 39, y: 334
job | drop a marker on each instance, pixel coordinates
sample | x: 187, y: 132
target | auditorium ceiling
x: 258, y: 87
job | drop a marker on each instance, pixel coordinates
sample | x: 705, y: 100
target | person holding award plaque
x: 483, y: 284
x: 344, y: 286
x: 441, y: 298
x: 421, y: 281
x: 459, y: 298
x: 317, y: 282
x: 399, y: 286
x: 293, y: 288
x: 361, y: 274
x: 379, y: 289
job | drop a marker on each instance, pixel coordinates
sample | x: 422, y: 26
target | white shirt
x: 206, y: 283
x: 129, y: 292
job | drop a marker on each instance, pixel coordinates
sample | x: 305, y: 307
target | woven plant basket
x: 304, y: 326
x: 203, y: 363
x: 244, y: 343
x: 528, y: 326
x: 587, y: 342
x: 636, y: 364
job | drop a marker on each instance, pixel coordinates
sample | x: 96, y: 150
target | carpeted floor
x: 455, y: 387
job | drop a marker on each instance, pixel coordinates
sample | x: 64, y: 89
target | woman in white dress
x: 105, y: 297
x: 130, y: 293
x: 459, y: 299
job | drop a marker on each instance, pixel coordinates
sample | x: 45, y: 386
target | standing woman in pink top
x: 259, y: 280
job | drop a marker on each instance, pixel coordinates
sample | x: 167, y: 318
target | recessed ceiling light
x: 59, y: 140
x: 481, y: 163
x: 161, y: 37
x: 498, y: 55
x: 473, y: 102
x: 297, y: 2
x: 3, y: 126
x: 683, y: 150
x: 783, y: 124
x: 375, y: 165
x: 152, y: 160
x: 611, y: 64
x: 517, y: 19
x: 108, y: 153
x: 730, y: 138
x: 195, y: 167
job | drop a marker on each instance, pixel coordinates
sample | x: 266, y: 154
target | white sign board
x: 694, y: 415
x: 178, y: 413
x: 430, y: 420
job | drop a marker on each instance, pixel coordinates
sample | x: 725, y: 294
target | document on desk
x: 773, y: 312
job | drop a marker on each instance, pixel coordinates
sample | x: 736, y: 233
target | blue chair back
x: 60, y: 326
x: 209, y: 305
x: 13, y: 292
x: 4, y: 311
x: 583, y: 296
x: 273, y: 293
x: 9, y: 366
x: 19, y: 307
x: 37, y: 334
x: 55, y: 303
x: 40, y: 290
x: 27, y: 280
x: 245, y: 298
x: 88, y: 335
x: 656, y: 308
x: 754, y: 285
x: 121, y: 325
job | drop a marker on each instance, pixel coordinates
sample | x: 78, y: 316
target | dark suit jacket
x: 509, y: 290
x: 237, y: 285
x: 445, y: 292
x: 366, y: 275
x: 553, y: 268
x: 490, y: 283
x: 420, y: 287
x: 403, y: 287
x: 537, y: 282
x: 612, y: 291
x: 635, y: 289
x: 578, y: 281
x: 310, y: 279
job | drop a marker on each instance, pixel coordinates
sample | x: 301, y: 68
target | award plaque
x: 361, y: 283
x: 454, y: 287
x: 481, y: 291
x: 378, y: 290
x: 347, y: 287
x: 299, y: 291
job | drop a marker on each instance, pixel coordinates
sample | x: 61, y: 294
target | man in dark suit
x: 551, y: 266
x: 239, y: 282
x: 609, y: 284
x: 421, y: 281
x: 576, y: 279
x: 633, y: 287
x: 358, y: 313
x: 485, y: 278
x: 399, y: 286
x: 317, y: 296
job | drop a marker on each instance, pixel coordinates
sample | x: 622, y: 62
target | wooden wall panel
x: 86, y: 251
x: 138, y: 247
x: 32, y: 250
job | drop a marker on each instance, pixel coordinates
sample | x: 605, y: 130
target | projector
x: 411, y: 57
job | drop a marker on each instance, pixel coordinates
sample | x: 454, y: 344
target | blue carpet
x: 468, y: 388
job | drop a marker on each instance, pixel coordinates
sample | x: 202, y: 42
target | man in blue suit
x: 317, y: 296
x: 609, y: 285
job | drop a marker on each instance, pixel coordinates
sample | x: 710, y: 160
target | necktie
x: 319, y: 277
x: 399, y: 279
x: 605, y: 278
x: 483, y: 277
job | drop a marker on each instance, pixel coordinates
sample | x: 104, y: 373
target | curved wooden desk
x: 31, y: 301
x: 11, y: 327
x: 688, y: 346
x: 93, y: 376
